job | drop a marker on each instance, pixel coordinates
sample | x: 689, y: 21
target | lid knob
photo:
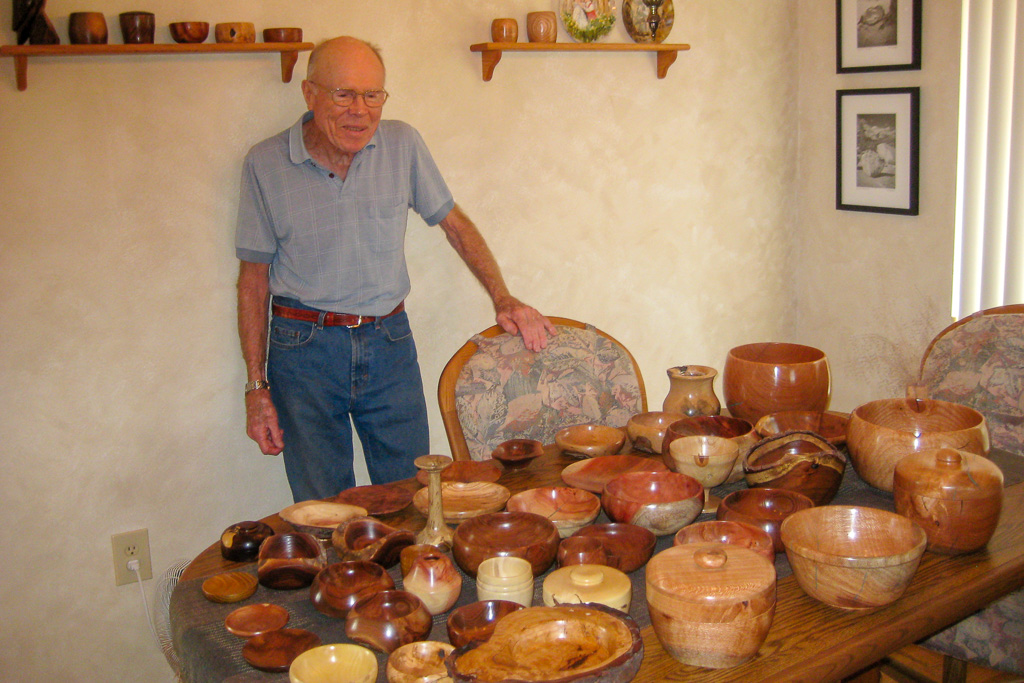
x: 583, y: 575
x: 948, y: 457
x: 713, y: 558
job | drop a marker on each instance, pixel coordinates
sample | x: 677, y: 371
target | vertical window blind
x: 989, y: 249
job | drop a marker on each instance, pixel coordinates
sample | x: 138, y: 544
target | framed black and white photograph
x: 877, y: 150
x: 878, y: 35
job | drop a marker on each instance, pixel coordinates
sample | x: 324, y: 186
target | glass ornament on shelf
x: 587, y: 21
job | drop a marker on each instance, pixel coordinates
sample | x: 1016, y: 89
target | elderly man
x: 321, y: 229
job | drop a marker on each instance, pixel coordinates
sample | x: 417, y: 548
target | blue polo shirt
x: 338, y: 245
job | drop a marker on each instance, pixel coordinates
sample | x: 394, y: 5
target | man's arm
x: 253, y: 300
x: 511, y: 313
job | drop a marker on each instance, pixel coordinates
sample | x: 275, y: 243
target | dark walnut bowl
x: 505, y: 534
x: 339, y: 586
x: 288, y: 561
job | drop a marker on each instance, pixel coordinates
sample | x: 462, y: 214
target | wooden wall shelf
x: 21, y: 53
x: 490, y: 53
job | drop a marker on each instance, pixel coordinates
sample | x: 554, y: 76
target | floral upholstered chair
x: 979, y: 362
x: 494, y: 389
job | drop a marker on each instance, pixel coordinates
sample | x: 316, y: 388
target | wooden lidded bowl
x: 799, y: 461
x: 583, y: 583
x: 505, y: 534
x: 764, y: 508
x: 647, y: 430
x: 710, y: 605
x: 852, y: 557
x: 739, y: 430
x: 662, y: 502
x: 769, y: 377
x: 881, y: 432
x: 955, y: 496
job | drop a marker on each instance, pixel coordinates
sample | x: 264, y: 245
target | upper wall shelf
x: 21, y: 53
x: 490, y: 53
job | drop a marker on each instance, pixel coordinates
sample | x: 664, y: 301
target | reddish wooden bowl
x: 828, y: 424
x: 569, y: 509
x: 289, y: 561
x: 516, y: 453
x: 764, y: 508
x: 339, y: 586
x: 627, y: 546
x: 647, y: 430
x: 770, y: 377
x: 662, y: 502
x: 366, y: 538
x: 387, y: 620
x: 798, y: 461
x: 475, y: 622
x: 729, y: 532
x: 505, y: 534
x: 590, y: 440
x: 739, y: 430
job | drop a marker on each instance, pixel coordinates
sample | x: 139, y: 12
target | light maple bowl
x: 647, y: 430
x: 590, y: 440
x: 463, y: 500
x: 319, y: 517
x: 569, y: 509
x: 851, y: 557
x: 661, y: 502
x: 331, y: 663
x: 770, y: 377
x: 739, y: 430
x: 882, y: 432
x: 419, y: 662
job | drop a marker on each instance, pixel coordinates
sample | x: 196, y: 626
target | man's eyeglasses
x: 344, y: 97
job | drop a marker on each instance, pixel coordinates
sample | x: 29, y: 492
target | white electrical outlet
x: 127, y: 546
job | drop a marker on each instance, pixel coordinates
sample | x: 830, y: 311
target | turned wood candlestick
x: 436, y: 532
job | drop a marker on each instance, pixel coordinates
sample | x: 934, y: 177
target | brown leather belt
x: 331, y: 319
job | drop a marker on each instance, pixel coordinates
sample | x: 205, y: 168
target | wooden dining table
x: 808, y: 641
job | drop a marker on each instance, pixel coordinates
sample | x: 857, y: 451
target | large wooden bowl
x: 569, y: 509
x: 562, y: 644
x: 505, y: 534
x: 764, y: 508
x: 852, y: 557
x: 739, y: 430
x: 828, y: 424
x: 461, y: 501
x: 627, y: 546
x: 367, y: 538
x: 662, y: 502
x: 881, y: 432
x: 339, y: 586
x: 476, y: 621
x: 728, y: 532
x: 647, y: 430
x: 798, y: 461
x: 289, y: 561
x: 388, y: 620
x: 770, y: 377
x: 590, y: 440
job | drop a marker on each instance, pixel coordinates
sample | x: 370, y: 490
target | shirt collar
x: 297, y: 151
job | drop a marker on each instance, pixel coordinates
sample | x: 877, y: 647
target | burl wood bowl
x: 339, y: 586
x: 189, y: 31
x: 881, y: 432
x: 627, y: 546
x: 475, y: 622
x: 288, y: 561
x: 729, y: 532
x: 852, y: 557
x: 647, y: 430
x: 461, y: 501
x: 764, y: 508
x: 771, y: 377
x: 367, y: 538
x: 955, y: 496
x: 419, y: 662
x: 388, y: 620
x: 739, y: 430
x: 516, y: 453
x: 465, y: 471
x: 662, y: 502
x: 505, y: 534
x: 569, y: 509
x: 590, y: 440
x: 798, y: 461
x: 828, y: 424
x: 710, y: 605
x: 241, y: 542
x: 593, y: 474
x: 332, y: 663
x: 555, y: 644
x: 319, y: 517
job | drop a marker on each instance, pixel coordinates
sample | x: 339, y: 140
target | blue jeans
x: 325, y: 379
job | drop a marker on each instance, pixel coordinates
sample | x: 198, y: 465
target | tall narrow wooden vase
x: 436, y: 532
x: 692, y: 391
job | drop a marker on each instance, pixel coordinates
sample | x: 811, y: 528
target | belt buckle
x: 359, y: 321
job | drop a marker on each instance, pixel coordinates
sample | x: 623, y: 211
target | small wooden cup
x: 137, y: 27
x: 504, y: 31
x: 542, y: 27
x: 87, y: 28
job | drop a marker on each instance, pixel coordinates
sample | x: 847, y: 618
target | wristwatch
x: 256, y: 384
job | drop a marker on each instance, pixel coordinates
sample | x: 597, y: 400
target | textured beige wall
x: 663, y: 211
x: 872, y: 289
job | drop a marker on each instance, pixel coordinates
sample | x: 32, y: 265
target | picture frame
x: 878, y: 150
x: 878, y: 35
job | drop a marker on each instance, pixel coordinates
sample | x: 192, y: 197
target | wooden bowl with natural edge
x: 662, y: 502
x: 419, y: 662
x: 647, y: 430
x: 554, y: 644
x: 339, y: 586
x: 771, y: 377
x: 505, y: 534
x: 319, y: 517
x: 739, y: 430
x: 627, y: 546
x: 728, y: 532
x: 764, y: 508
x: 461, y: 501
x: 569, y: 509
x: 387, y: 620
x: 476, y: 621
x: 367, y: 538
x: 851, y: 557
x: 289, y: 561
x: 883, y: 431
x: 590, y: 440
x: 825, y: 423
x: 516, y: 453
x: 798, y: 461
x: 333, y: 663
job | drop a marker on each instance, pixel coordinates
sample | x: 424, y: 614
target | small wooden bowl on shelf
x: 189, y: 31
x: 590, y: 440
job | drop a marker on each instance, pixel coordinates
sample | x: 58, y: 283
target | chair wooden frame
x: 450, y: 376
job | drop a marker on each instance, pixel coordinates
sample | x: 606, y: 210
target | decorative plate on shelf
x: 587, y: 20
x: 648, y: 21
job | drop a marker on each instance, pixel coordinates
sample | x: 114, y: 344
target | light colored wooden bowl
x: 419, y: 662
x: 881, y: 432
x: 569, y: 509
x: 583, y: 583
x: 798, y: 461
x: 710, y: 605
x: 661, y: 502
x: 590, y: 440
x: 826, y: 423
x: 647, y: 430
x: 852, y: 557
x: 771, y: 377
x: 555, y: 644
x: 739, y: 430
x: 331, y: 663
x: 708, y: 459
x: 461, y: 501
x: 320, y: 517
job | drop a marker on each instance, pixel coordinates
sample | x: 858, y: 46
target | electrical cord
x: 134, y: 566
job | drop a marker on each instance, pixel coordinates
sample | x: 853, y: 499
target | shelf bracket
x: 488, y: 60
x: 665, y: 60
x: 21, y: 71
x: 288, y: 60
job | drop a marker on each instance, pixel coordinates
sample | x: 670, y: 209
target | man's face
x: 354, y: 67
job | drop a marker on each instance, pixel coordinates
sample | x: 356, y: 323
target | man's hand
x: 261, y: 422
x: 515, y: 317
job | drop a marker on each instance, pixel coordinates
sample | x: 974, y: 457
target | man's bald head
x: 340, y: 48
